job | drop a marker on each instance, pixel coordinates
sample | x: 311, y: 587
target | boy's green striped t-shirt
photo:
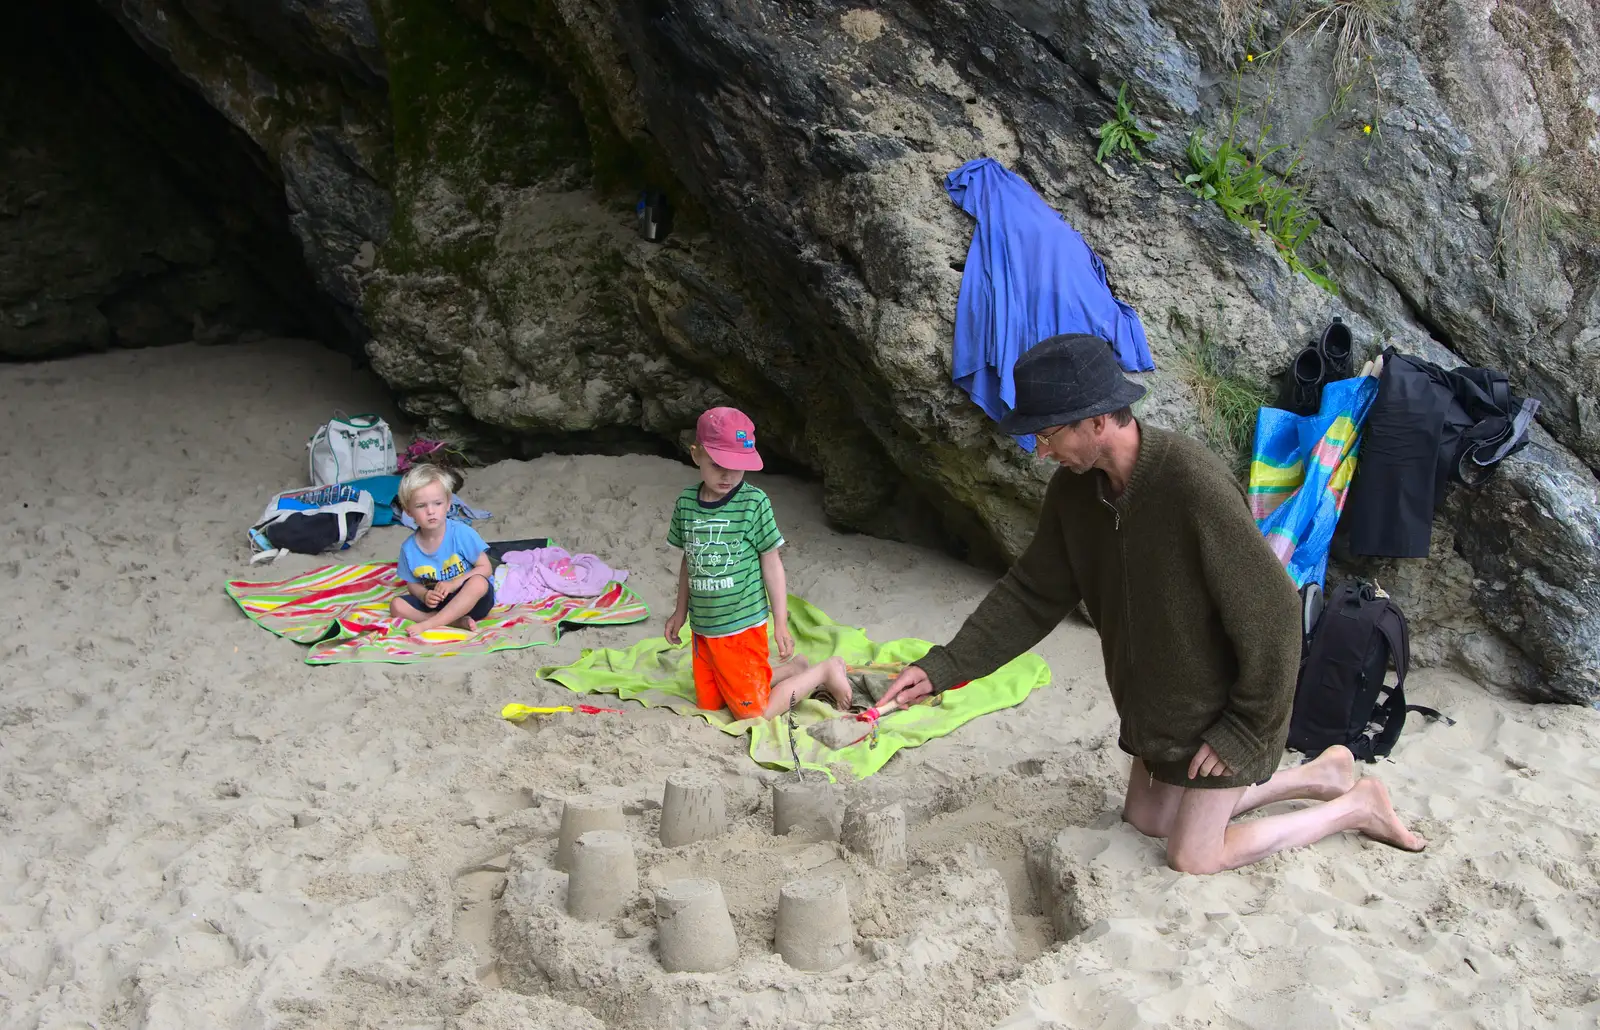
x: 723, y: 543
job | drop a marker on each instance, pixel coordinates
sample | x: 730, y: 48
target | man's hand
x: 1207, y: 762
x: 785, y: 643
x: 911, y: 686
x: 675, y: 626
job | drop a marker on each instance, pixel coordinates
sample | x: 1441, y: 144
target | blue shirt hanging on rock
x: 1029, y: 276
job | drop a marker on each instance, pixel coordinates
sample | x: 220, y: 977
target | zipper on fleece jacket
x: 1129, y: 728
x: 1116, y: 516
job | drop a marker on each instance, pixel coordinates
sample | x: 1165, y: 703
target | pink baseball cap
x: 728, y: 435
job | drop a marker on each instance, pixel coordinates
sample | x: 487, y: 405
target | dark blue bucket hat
x: 1067, y: 379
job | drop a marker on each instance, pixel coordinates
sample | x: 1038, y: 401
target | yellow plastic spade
x: 517, y: 713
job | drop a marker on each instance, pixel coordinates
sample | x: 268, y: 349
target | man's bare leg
x: 1152, y: 806
x: 1202, y: 841
x: 1149, y: 805
x: 1328, y: 776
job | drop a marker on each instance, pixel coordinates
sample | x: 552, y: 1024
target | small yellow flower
x: 1249, y: 57
x: 1367, y: 129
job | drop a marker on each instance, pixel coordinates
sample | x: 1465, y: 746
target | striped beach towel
x: 342, y: 612
x: 1300, y: 474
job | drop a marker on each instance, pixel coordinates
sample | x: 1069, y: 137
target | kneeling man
x: 1198, y: 622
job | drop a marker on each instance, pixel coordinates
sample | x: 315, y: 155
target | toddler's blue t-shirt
x: 457, y: 551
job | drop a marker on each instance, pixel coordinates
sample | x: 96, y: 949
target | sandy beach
x: 198, y: 830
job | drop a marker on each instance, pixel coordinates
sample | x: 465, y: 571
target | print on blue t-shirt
x: 457, y: 551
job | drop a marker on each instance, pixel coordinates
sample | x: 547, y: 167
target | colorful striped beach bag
x: 1300, y: 474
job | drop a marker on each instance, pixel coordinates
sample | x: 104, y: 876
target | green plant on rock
x: 1255, y: 197
x: 1227, y: 404
x: 1122, y: 132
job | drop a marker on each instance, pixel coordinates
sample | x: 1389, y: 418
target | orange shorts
x: 733, y: 672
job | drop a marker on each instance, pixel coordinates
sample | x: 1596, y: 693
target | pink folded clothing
x: 529, y: 576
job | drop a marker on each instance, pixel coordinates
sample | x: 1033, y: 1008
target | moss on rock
x: 465, y: 107
x: 622, y: 157
x: 468, y: 117
x: 504, y: 282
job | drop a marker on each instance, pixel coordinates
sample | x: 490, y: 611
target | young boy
x: 445, y: 563
x: 731, y: 581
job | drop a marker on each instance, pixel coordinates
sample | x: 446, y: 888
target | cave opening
x: 132, y: 213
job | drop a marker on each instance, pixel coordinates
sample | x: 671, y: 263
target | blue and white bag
x: 311, y: 521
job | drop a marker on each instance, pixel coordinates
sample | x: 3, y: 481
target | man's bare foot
x: 1335, y: 772
x: 1381, y: 823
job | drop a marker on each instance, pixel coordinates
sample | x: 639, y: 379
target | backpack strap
x: 1431, y: 714
x: 1390, y: 715
x: 1392, y: 624
x: 1515, y: 431
x: 1500, y: 392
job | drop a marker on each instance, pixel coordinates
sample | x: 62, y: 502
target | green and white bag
x: 351, y: 447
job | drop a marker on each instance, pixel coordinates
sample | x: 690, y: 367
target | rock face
x: 127, y: 215
x: 461, y: 177
x: 303, y: 80
x: 815, y: 278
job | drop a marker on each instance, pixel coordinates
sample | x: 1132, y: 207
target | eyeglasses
x: 1045, y: 438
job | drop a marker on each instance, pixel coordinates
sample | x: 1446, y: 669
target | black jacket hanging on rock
x: 1427, y: 428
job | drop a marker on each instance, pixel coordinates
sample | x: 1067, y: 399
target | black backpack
x: 1348, y: 642
x: 313, y: 532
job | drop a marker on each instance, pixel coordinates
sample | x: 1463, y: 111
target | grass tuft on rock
x: 1227, y: 404
x: 1534, y: 211
x: 1355, y: 25
x: 1235, y: 17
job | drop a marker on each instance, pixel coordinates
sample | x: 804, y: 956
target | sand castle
x: 692, y: 808
x: 694, y: 932
x: 579, y: 815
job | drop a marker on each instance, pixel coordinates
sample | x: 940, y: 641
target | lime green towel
x: 659, y: 674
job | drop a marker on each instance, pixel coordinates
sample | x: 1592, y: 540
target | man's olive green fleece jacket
x: 1198, y: 622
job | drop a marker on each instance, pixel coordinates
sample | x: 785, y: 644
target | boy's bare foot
x: 467, y: 623
x: 1335, y: 772
x: 1380, y: 821
x: 419, y: 631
